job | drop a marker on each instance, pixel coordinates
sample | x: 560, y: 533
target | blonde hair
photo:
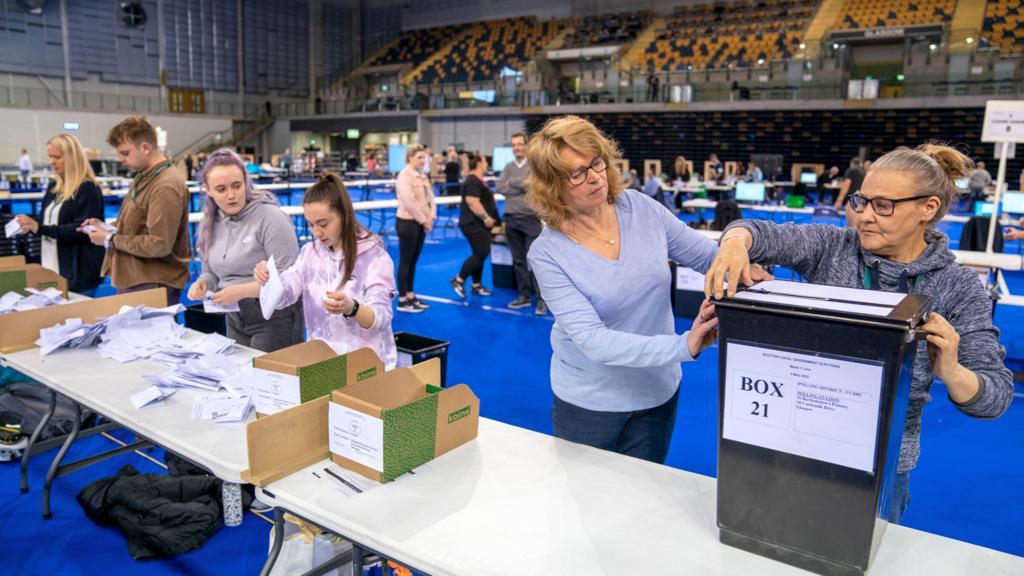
x: 547, y: 169
x: 935, y: 168
x: 77, y: 169
x: 680, y: 165
x: 412, y: 151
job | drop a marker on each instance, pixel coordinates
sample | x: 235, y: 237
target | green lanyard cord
x: 136, y: 188
x: 867, y: 280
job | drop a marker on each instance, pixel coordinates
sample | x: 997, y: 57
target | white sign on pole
x: 802, y: 404
x: 999, y: 152
x: 1004, y: 121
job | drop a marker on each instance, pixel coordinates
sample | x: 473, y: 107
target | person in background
x: 521, y: 225
x: 71, y: 199
x: 286, y: 162
x: 189, y: 166
x: 716, y: 170
x: 892, y: 245
x: 754, y: 173
x: 478, y: 214
x: 242, y: 226
x: 653, y: 88
x: 371, y: 164
x: 827, y: 179
x: 652, y: 188
x: 977, y: 182
x: 344, y: 277
x: 452, y: 172
x: 150, y: 248
x: 428, y: 161
x: 852, y: 181
x: 682, y: 176
x: 633, y: 180
x: 413, y: 221
x: 24, y: 168
x: 600, y: 263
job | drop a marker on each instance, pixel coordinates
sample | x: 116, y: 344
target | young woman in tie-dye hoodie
x: 344, y: 276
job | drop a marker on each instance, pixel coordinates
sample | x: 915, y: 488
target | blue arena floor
x: 965, y: 487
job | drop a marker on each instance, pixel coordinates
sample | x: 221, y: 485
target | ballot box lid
x: 870, y: 307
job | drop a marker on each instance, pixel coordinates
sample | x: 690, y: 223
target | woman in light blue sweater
x: 602, y: 265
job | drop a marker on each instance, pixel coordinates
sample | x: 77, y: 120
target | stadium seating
x: 415, y: 46
x: 611, y: 29
x: 883, y: 13
x: 1004, y: 25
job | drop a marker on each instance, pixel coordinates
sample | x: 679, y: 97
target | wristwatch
x: 108, y: 241
x: 355, y: 309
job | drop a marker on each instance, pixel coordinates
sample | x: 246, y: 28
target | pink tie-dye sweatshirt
x: 318, y: 271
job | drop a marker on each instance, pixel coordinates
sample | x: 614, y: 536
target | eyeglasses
x: 881, y: 206
x: 579, y: 176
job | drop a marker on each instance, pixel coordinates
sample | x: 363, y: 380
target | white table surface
x: 515, y: 502
x: 104, y: 385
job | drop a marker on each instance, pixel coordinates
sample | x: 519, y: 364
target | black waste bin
x: 413, y: 349
x: 201, y: 321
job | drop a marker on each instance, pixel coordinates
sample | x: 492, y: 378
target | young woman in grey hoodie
x: 892, y: 245
x: 242, y: 226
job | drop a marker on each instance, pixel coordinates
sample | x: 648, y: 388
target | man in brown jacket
x: 150, y: 248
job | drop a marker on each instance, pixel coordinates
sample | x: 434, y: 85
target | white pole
x: 993, y: 223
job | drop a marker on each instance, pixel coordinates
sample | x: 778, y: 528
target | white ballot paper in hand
x: 211, y: 307
x: 12, y: 229
x: 271, y: 292
x: 89, y: 228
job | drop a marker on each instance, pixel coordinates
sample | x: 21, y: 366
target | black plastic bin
x: 413, y: 349
x: 201, y: 321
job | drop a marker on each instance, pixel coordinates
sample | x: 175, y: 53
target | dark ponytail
x: 331, y: 191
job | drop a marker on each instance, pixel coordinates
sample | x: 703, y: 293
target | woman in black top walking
x: 73, y: 197
x: 477, y: 215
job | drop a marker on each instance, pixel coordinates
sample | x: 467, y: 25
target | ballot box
x: 813, y: 389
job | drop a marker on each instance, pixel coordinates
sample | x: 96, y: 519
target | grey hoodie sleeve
x: 980, y: 351
x: 806, y: 248
x: 279, y: 238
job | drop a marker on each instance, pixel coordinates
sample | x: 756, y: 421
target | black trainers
x: 480, y: 290
x: 459, y: 287
x: 409, y: 306
x: 420, y: 303
x: 542, y: 308
x: 520, y: 302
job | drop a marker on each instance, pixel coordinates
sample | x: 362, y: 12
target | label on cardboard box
x: 273, y: 391
x: 356, y: 436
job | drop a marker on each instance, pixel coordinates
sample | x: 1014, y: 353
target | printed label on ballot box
x: 356, y: 436
x: 804, y: 404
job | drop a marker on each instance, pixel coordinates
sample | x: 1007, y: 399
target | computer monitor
x: 982, y: 208
x: 396, y: 158
x: 809, y: 178
x: 502, y: 156
x: 750, y: 192
x: 1013, y: 202
x: 961, y: 183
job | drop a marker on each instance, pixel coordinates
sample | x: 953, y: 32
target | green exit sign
x: 352, y: 133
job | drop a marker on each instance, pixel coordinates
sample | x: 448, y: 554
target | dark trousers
x: 521, y: 231
x: 173, y: 294
x: 410, y: 244
x: 480, y: 242
x: 247, y: 326
x: 900, y: 497
x: 644, y: 434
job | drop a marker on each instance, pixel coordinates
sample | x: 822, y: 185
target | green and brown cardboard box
x: 420, y: 419
x: 319, y: 368
x: 16, y: 275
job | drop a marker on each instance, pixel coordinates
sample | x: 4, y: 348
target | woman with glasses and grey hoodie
x: 892, y: 245
x: 241, y: 227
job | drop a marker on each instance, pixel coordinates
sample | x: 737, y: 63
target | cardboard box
x: 320, y: 370
x: 290, y: 440
x: 20, y: 330
x: 7, y: 262
x: 15, y: 278
x: 384, y: 427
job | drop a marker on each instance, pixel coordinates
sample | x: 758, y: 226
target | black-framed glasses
x: 881, y: 206
x: 579, y: 175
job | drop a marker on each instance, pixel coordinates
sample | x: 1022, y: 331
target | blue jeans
x: 900, y: 497
x: 644, y: 434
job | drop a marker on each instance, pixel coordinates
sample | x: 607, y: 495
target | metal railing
x: 20, y: 97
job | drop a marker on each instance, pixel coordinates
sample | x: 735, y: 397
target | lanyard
x: 868, y: 280
x: 137, y: 187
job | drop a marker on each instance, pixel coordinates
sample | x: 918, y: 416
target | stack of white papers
x: 130, y: 334
x: 15, y: 302
x: 89, y: 228
x: 222, y: 409
x: 12, y: 229
x: 205, y: 372
x: 72, y: 334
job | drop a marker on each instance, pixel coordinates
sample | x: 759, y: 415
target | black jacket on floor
x: 159, y: 514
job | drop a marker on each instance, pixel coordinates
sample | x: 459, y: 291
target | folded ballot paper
x: 12, y: 229
x: 222, y: 409
x: 130, y: 334
x: 15, y: 302
x: 89, y: 228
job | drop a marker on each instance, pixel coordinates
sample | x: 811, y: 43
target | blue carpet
x: 965, y: 486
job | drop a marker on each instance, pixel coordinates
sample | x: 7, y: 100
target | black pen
x: 343, y: 481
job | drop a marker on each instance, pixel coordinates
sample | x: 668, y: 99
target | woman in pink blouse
x: 414, y: 220
x: 345, y: 276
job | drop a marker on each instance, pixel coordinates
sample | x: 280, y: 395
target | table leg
x: 275, y: 550
x: 231, y: 499
x: 35, y: 436
x: 76, y: 424
x: 357, y: 560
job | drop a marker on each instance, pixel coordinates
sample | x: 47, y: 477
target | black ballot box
x: 813, y: 390
x: 502, y: 273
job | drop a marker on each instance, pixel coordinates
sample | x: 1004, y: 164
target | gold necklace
x: 610, y: 242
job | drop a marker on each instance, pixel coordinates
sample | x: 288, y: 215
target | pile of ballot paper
x: 130, y: 334
x: 210, y: 372
x: 15, y: 302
